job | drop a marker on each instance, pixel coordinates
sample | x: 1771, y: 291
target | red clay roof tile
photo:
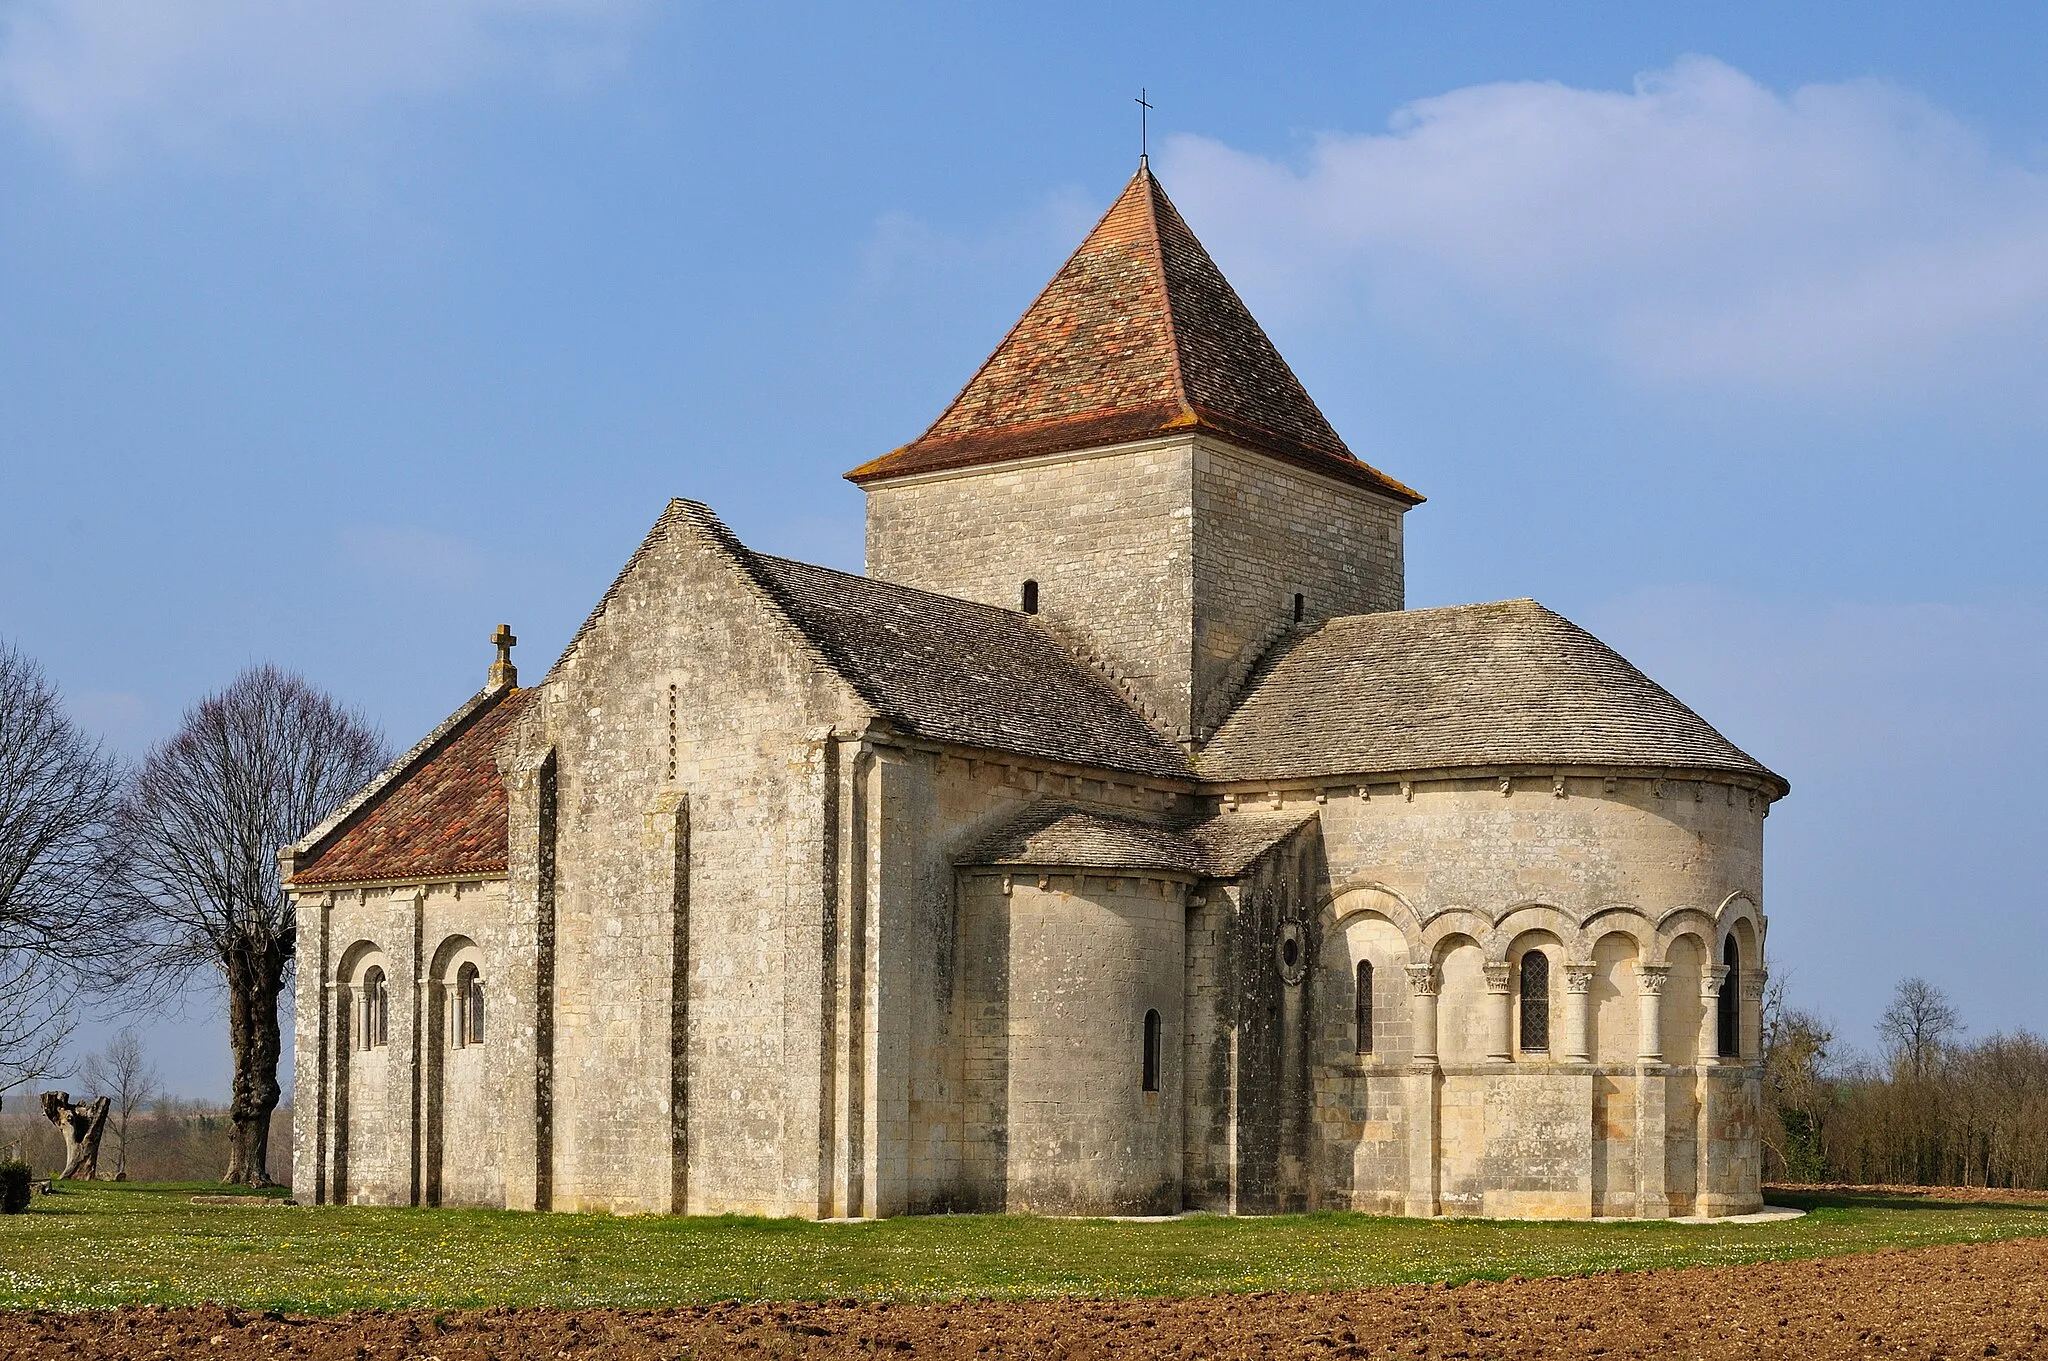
x: 442, y: 819
x: 1138, y: 335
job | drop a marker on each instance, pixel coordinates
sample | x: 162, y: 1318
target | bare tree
x: 57, y: 792
x: 1799, y: 1084
x: 249, y: 770
x: 1916, y: 1026
x: 123, y: 1073
x: 82, y: 1123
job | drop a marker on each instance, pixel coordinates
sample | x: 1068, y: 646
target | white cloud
x: 1842, y: 240
x: 103, y: 75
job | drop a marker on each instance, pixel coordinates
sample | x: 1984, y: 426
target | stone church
x: 1118, y: 844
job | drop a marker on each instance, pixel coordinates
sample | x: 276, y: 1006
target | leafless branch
x: 249, y: 770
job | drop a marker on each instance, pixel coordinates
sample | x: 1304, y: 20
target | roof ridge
x: 1014, y: 326
x: 393, y: 775
x: 669, y: 514
x: 1177, y: 361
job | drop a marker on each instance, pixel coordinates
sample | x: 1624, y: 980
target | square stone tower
x: 1138, y: 466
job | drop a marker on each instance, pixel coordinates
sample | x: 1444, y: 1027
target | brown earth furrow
x: 1954, y: 1301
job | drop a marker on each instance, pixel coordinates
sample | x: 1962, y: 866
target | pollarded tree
x: 57, y: 791
x: 249, y: 770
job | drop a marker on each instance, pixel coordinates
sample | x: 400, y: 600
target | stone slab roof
x: 438, y: 813
x: 1506, y: 684
x: 1070, y: 836
x: 1138, y: 335
x: 954, y: 671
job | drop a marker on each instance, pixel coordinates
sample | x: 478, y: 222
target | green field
x: 91, y: 1245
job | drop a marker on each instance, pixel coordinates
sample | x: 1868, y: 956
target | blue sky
x: 335, y: 334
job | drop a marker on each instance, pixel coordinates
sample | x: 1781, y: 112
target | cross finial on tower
x: 502, y: 671
x: 1144, y: 131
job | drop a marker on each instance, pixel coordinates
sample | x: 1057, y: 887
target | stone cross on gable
x: 502, y: 670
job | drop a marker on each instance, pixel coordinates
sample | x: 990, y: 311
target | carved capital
x: 1712, y: 980
x: 1651, y: 978
x: 1753, y: 981
x: 1500, y: 978
x: 1578, y: 978
x: 1422, y: 980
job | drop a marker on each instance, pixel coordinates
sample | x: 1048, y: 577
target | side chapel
x: 1119, y: 844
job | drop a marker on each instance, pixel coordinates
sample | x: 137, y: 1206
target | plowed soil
x: 1978, y: 1300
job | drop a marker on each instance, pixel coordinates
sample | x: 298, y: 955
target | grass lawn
x: 90, y: 1245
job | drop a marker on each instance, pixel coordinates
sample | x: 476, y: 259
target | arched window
x: 1536, y: 1002
x: 469, y: 1006
x: 1300, y: 605
x: 1364, y: 1006
x: 1727, y: 1007
x: 1151, y: 1051
x: 376, y: 1009
x: 1030, y: 597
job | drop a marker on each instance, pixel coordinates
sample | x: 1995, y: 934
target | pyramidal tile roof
x: 1138, y: 335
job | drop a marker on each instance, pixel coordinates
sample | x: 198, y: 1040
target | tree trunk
x: 255, y: 978
x: 82, y: 1128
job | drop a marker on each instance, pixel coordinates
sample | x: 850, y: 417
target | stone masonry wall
x: 1107, y: 537
x: 1266, y: 531
x: 1613, y: 879
x: 1065, y: 968
x: 399, y: 1123
x: 691, y: 889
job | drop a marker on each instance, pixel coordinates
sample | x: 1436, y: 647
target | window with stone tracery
x: 1536, y: 1002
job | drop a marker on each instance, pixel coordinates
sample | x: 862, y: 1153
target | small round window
x: 1288, y: 952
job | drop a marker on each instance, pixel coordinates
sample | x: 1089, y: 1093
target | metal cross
x: 1144, y: 132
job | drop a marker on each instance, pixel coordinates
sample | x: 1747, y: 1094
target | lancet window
x: 1364, y: 1005
x: 1151, y: 1051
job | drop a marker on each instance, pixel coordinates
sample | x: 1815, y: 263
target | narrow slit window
x: 1151, y: 1051
x: 1536, y: 1002
x: 1728, y: 1013
x: 1031, y: 597
x: 1300, y: 606
x: 1364, y: 1006
x: 376, y: 1013
x: 469, y: 1007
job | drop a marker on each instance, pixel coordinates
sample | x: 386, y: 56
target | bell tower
x: 1137, y: 465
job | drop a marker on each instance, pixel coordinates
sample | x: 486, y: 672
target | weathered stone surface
x: 824, y: 896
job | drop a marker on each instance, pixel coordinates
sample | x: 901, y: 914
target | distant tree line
x: 1930, y: 1109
